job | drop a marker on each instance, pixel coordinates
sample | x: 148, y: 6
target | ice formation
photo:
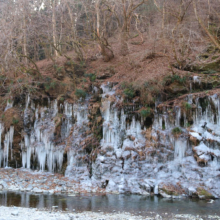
x: 131, y: 157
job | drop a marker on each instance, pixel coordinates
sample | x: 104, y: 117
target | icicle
x: 196, y: 79
x: 123, y: 121
x: 9, y: 104
x: 11, y: 135
x: 178, y: 116
x: 185, y: 120
x: 1, y: 151
x: 6, y: 148
x: 27, y: 102
x: 55, y: 108
x: 190, y: 99
x: 180, y: 148
x: 1, y: 131
x: 68, y: 109
x: 26, y: 152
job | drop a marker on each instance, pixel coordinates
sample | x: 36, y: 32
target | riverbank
x: 12, y: 213
x: 42, y: 182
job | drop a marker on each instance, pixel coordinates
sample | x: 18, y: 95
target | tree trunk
x: 123, y: 43
x: 25, y: 40
x: 54, y: 26
x: 106, y: 52
x: 72, y: 22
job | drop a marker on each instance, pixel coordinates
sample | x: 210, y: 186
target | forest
x: 33, y: 30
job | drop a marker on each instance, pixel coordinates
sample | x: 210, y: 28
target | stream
x: 135, y: 204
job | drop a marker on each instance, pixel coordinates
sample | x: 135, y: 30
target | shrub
x: 49, y: 84
x: 69, y: 63
x: 174, y: 78
x: 176, y: 131
x: 14, y: 121
x: 80, y: 93
x: 209, y: 72
x: 82, y: 63
x: 2, y: 77
x: 187, y: 106
x: 53, y: 84
x: 188, y: 124
x: 177, y: 78
x: 91, y: 76
x: 129, y: 93
x: 145, y: 112
x: 123, y: 85
x: 146, y: 84
x: 58, y: 69
x: 128, y: 90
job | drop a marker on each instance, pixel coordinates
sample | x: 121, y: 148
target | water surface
x: 135, y: 204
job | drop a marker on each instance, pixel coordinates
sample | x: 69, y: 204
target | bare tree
x: 205, y: 27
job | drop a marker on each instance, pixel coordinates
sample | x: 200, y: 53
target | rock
x: 208, y: 67
x: 204, y: 194
x: 95, y: 108
x: 29, y: 188
x: 54, y: 208
x: 109, y: 72
x: 3, y: 184
x: 15, y: 213
x: 146, y: 187
x: 192, y: 191
x: 37, y: 190
x: 175, y: 88
x: 1, y: 187
x: 171, y: 191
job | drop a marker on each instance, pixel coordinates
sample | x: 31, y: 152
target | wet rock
x: 171, y: 190
x: 204, y: 194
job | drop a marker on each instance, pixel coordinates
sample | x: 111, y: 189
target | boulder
x: 204, y: 194
x: 175, y: 88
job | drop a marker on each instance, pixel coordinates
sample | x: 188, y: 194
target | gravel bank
x: 15, y: 213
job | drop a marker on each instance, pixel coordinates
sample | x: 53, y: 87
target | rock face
x: 101, y: 145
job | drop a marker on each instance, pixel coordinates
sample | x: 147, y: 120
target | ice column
x: 8, y: 144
